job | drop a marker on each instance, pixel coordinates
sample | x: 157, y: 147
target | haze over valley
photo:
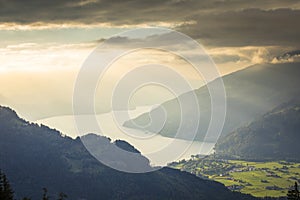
x: 137, y: 99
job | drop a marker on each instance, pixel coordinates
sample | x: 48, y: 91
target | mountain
x: 34, y: 157
x: 274, y: 136
x: 119, y: 154
x: 250, y: 93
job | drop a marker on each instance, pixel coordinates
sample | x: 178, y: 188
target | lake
x: 158, y: 149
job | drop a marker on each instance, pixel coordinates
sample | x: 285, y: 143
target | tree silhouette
x: 6, y: 193
x: 294, y: 193
x: 45, y: 195
x: 62, y: 196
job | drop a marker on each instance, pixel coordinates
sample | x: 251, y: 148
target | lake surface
x: 158, y: 149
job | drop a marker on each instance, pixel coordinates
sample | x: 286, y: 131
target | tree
x: 294, y: 193
x: 45, y: 195
x: 62, y: 196
x: 1, y: 187
x: 6, y: 193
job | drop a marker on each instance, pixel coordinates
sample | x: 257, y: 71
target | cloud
x: 253, y: 27
x: 214, y: 22
x: 43, y: 57
x: 251, y: 54
x: 230, y: 59
x: 292, y: 56
x: 125, y: 11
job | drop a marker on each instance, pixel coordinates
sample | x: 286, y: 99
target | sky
x: 44, y: 43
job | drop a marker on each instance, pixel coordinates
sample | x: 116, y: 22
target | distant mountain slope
x: 274, y: 136
x: 129, y: 160
x: 250, y: 93
x: 34, y: 157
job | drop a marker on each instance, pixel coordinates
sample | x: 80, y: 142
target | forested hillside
x: 274, y: 136
x: 34, y: 157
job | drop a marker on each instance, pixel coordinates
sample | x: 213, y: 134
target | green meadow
x: 259, y: 179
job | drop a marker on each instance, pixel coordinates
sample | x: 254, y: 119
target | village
x: 275, y: 177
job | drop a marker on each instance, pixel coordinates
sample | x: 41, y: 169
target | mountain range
x: 250, y: 93
x: 35, y: 157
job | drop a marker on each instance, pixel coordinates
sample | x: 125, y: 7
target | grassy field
x: 256, y: 178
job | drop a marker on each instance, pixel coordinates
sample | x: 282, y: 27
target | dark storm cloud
x: 216, y: 22
x: 292, y: 56
x: 124, y: 11
x: 247, y: 27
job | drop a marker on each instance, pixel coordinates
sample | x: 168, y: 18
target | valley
x: 260, y: 179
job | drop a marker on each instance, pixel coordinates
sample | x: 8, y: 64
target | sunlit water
x: 151, y: 145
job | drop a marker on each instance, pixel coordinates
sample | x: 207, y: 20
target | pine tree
x: 294, y: 194
x: 62, y: 196
x: 1, y: 186
x: 45, y: 195
x: 6, y: 193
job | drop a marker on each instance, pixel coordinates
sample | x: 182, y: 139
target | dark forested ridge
x: 261, y: 158
x: 274, y: 136
x: 34, y: 157
x: 250, y: 93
